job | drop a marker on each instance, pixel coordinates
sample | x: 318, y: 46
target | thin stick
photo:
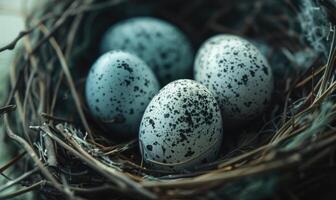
x: 12, y: 45
x: 71, y: 84
x: 53, y: 118
x: 113, y: 175
x: 19, y: 179
x: 23, y: 190
x: 11, y: 162
x: 7, y: 109
x: 329, y: 66
x: 34, y: 156
x: 71, y: 12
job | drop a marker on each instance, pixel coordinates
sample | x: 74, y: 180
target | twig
x: 11, y: 162
x: 19, y: 179
x: 113, y: 175
x: 22, y: 191
x: 33, y: 155
x: 7, y: 109
x: 12, y: 45
x: 71, y: 12
x: 227, y: 176
x: 68, y: 76
x: 54, y: 118
x: 330, y: 64
x: 57, y: 25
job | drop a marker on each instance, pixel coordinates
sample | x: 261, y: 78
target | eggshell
x: 118, y: 89
x: 163, y: 46
x: 181, y: 127
x: 237, y: 74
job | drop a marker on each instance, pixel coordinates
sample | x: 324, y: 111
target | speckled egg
x: 237, y: 74
x: 181, y: 127
x: 118, y: 89
x: 160, y: 44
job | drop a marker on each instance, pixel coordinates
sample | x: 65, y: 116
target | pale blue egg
x: 181, y: 127
x: 163, y: 46
x: 118, y: 89
x: 238, y: 74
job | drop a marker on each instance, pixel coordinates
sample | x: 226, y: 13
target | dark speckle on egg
x: 183, y: 125
x: 149, y: 147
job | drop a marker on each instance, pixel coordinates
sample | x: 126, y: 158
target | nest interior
x: 63, y: 153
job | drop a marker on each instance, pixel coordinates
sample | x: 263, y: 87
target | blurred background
x: 12, y: 14
x: 11, y: 23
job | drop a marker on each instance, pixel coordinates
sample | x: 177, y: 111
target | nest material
x: 288, y: 153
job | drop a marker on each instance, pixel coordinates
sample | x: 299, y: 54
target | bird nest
x: 289, y: 152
